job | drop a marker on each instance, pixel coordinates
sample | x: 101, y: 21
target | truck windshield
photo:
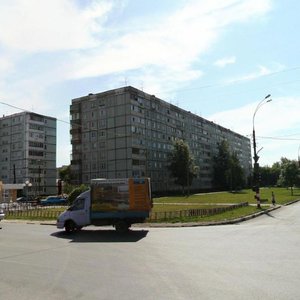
x: 78, y: 204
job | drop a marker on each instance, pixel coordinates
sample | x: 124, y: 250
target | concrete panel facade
x: 132, y: 133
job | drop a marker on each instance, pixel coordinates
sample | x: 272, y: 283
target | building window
x: 135, y: 162
x: 135, y: 173
x: 36, y: 153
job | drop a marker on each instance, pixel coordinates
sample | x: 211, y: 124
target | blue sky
x: 216, y: 58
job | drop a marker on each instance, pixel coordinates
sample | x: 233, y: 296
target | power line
x: 278, y: 138
x: 26, y: 110
x: 13, y: 106
x: 238, y: 81
x: 66, y: 122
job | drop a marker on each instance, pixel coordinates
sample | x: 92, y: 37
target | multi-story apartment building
x: 28, y: 152
x: 126, y: 132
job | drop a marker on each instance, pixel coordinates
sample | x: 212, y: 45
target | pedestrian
x: 273, y: 199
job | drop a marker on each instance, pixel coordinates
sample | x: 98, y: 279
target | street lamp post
x: 28, y: 184
x: 256, y: 157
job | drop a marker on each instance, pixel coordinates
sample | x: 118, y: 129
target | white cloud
x: 279, y: 115
x: 50, y: 28
x: 223, y: 62
x: 174, y: 42
x: 5, y: 64
x: 262, y: 71
x: 34, y: 25
x: 167, y: 47
x: 279, y: 118
x: 25, y: 94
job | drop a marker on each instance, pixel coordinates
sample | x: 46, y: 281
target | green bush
x: 76, y: 192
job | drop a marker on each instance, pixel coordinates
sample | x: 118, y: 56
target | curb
x: 30, y: 222
x: 292, y: 202
x: 195, y: 224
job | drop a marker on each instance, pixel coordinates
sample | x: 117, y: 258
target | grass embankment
x: 228, y: 215
x: 219, y: 199
x: 282, y: 196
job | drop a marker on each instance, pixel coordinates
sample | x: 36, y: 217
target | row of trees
x: 228, y: 173
x: 285, y: 173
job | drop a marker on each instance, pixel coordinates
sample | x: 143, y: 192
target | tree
x: 76, y: 192
x: 228, y: 173
x: 289, y: 175
x: 181, y: 165
x: 270, y: 175
x: 65, y: 177
x: 221, y: 166
x: 236, y: 172
x: 65, y: 174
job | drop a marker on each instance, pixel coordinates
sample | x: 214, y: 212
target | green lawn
x: 282, y: 196
x: 228, y: 215
x: 175, y: 207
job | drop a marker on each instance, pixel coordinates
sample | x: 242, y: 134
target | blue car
x: 53, y: 200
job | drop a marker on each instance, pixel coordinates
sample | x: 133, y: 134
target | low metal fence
x: 45, y: 212
x: 155, y: 216
x: 34, y: 213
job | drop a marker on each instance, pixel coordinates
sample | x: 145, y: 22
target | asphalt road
x: 257, y: 259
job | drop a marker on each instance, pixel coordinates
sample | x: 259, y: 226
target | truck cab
x: 77, y: 215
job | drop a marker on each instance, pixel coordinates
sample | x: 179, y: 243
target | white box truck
x: 117, y: 202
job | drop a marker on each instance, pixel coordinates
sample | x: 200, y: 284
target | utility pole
x: 256, y: 179
x: 256, y: 172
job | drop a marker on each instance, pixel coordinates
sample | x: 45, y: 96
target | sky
x: 218, y: 59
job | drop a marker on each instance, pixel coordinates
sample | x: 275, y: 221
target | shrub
x: 76, y: 192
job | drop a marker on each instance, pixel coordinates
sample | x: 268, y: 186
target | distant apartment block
x: 28, y: 152
x: 125, y: 132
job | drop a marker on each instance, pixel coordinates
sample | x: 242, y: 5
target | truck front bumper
x: 60, y: 224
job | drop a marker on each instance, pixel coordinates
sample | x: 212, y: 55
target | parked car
x: 8, y: 205
x: 54, y: 200
x: 29, y: 200
x: 22, y: 200
x: 2, y: 215
x: 4, y: 205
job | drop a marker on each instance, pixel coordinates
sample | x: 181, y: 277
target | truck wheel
x: 121, y: 226
x: 70, y: 226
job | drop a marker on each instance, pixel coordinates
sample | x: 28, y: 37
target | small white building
x: 8, y: 192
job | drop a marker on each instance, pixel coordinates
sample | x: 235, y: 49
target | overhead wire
x: 26, y: 110
x: 278, y: 138
x: 196, y: 88
x: 238, y: 81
